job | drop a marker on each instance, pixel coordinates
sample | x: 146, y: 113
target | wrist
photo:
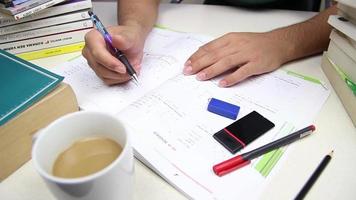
x: 286, y: 45
x: 140, y: 30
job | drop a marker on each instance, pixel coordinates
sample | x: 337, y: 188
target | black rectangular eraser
x: 229, y: 142
x: 243, y: 131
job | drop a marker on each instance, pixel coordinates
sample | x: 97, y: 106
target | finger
x: 223, y: 65
x: 211, y: 46
x: 203, y: 51
x: 100, y: 70
x: 136, y: 60
x: 137, y: 68
x: 84, y: 51
x: 239, y: 75
x: 124, y: 42
x: 96, y: 45
x: 107, y: 74
x: 212, y: 58
x: 116, y: 81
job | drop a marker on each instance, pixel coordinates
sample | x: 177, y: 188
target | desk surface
x: 334, y: 127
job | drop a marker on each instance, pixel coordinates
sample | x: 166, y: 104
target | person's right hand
x: 128, y: 39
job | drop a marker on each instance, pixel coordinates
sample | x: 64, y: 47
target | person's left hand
x: 244, y: 54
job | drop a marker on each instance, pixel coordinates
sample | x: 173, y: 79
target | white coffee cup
x: 113, y: 182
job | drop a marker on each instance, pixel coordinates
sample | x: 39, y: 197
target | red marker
x: 245, y: 159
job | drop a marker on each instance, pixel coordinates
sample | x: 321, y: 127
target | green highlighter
x: 22, y: 84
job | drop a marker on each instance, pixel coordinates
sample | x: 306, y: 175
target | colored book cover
x: 22, y: 84
x: 58, y: 9
x: 44, y: 53
x: 46, y: 22
x: 32, y: 34
x: 12, y: 10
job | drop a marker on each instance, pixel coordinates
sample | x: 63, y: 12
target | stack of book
x: 31, y: 98
x: 339, y: 62
x: 41, y: 28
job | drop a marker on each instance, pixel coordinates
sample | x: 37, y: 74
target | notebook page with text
x: 171, y: 128
x: 164, y: 56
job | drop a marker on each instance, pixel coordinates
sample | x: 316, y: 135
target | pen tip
x: 90, y: 13
x: 134, y: 77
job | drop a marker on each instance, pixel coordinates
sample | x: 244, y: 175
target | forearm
x: 139, y: 13
x: 306, y: 38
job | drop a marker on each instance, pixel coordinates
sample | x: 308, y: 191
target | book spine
x: 345, y: 43
x: 346, y: 11
x: 24, y: 6
x: 44, y: 42
x: 346, y: 96
x: 49, y: 12
x: 342, y: 60
x: 36, y: 9
x: 44, y: 53
x: 346, y: 16
x: 5, y: 11
x: 46, y: 31
x: 345, y: 27
x: 17, y: 2
x: 44, y: 23
x: 350, y: 3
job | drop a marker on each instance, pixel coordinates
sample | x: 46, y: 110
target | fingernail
x: 187, y: 63
x: 187, y: 70
x: 222, y: 83
x: 201, y: 76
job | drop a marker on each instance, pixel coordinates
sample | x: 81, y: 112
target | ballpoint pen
x: 108, y: 39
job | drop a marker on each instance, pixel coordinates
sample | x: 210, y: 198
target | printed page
x: 164, y: 56
x: 172, y: 129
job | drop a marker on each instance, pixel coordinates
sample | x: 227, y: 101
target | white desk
x: 334, y: 127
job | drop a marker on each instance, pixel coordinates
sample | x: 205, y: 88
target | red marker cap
x: 230, y: 165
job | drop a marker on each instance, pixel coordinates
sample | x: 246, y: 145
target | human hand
x: 128, y: 39
x: 244, y: 54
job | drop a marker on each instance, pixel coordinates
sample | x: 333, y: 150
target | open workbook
x: 171, y: 128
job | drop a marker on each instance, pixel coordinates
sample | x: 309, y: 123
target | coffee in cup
x: 86, y: 156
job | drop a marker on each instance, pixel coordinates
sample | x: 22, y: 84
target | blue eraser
x: 223, y: 108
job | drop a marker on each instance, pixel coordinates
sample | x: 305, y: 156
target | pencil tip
x: 331, y: 153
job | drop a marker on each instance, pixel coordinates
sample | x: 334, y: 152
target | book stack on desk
x: 30, y: 98
x: 339, y: 62
x: 55, y: 30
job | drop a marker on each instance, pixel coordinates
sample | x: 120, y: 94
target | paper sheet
x: 171, y: 127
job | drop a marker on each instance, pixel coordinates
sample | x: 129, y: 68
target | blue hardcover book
x: 22, y: 84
